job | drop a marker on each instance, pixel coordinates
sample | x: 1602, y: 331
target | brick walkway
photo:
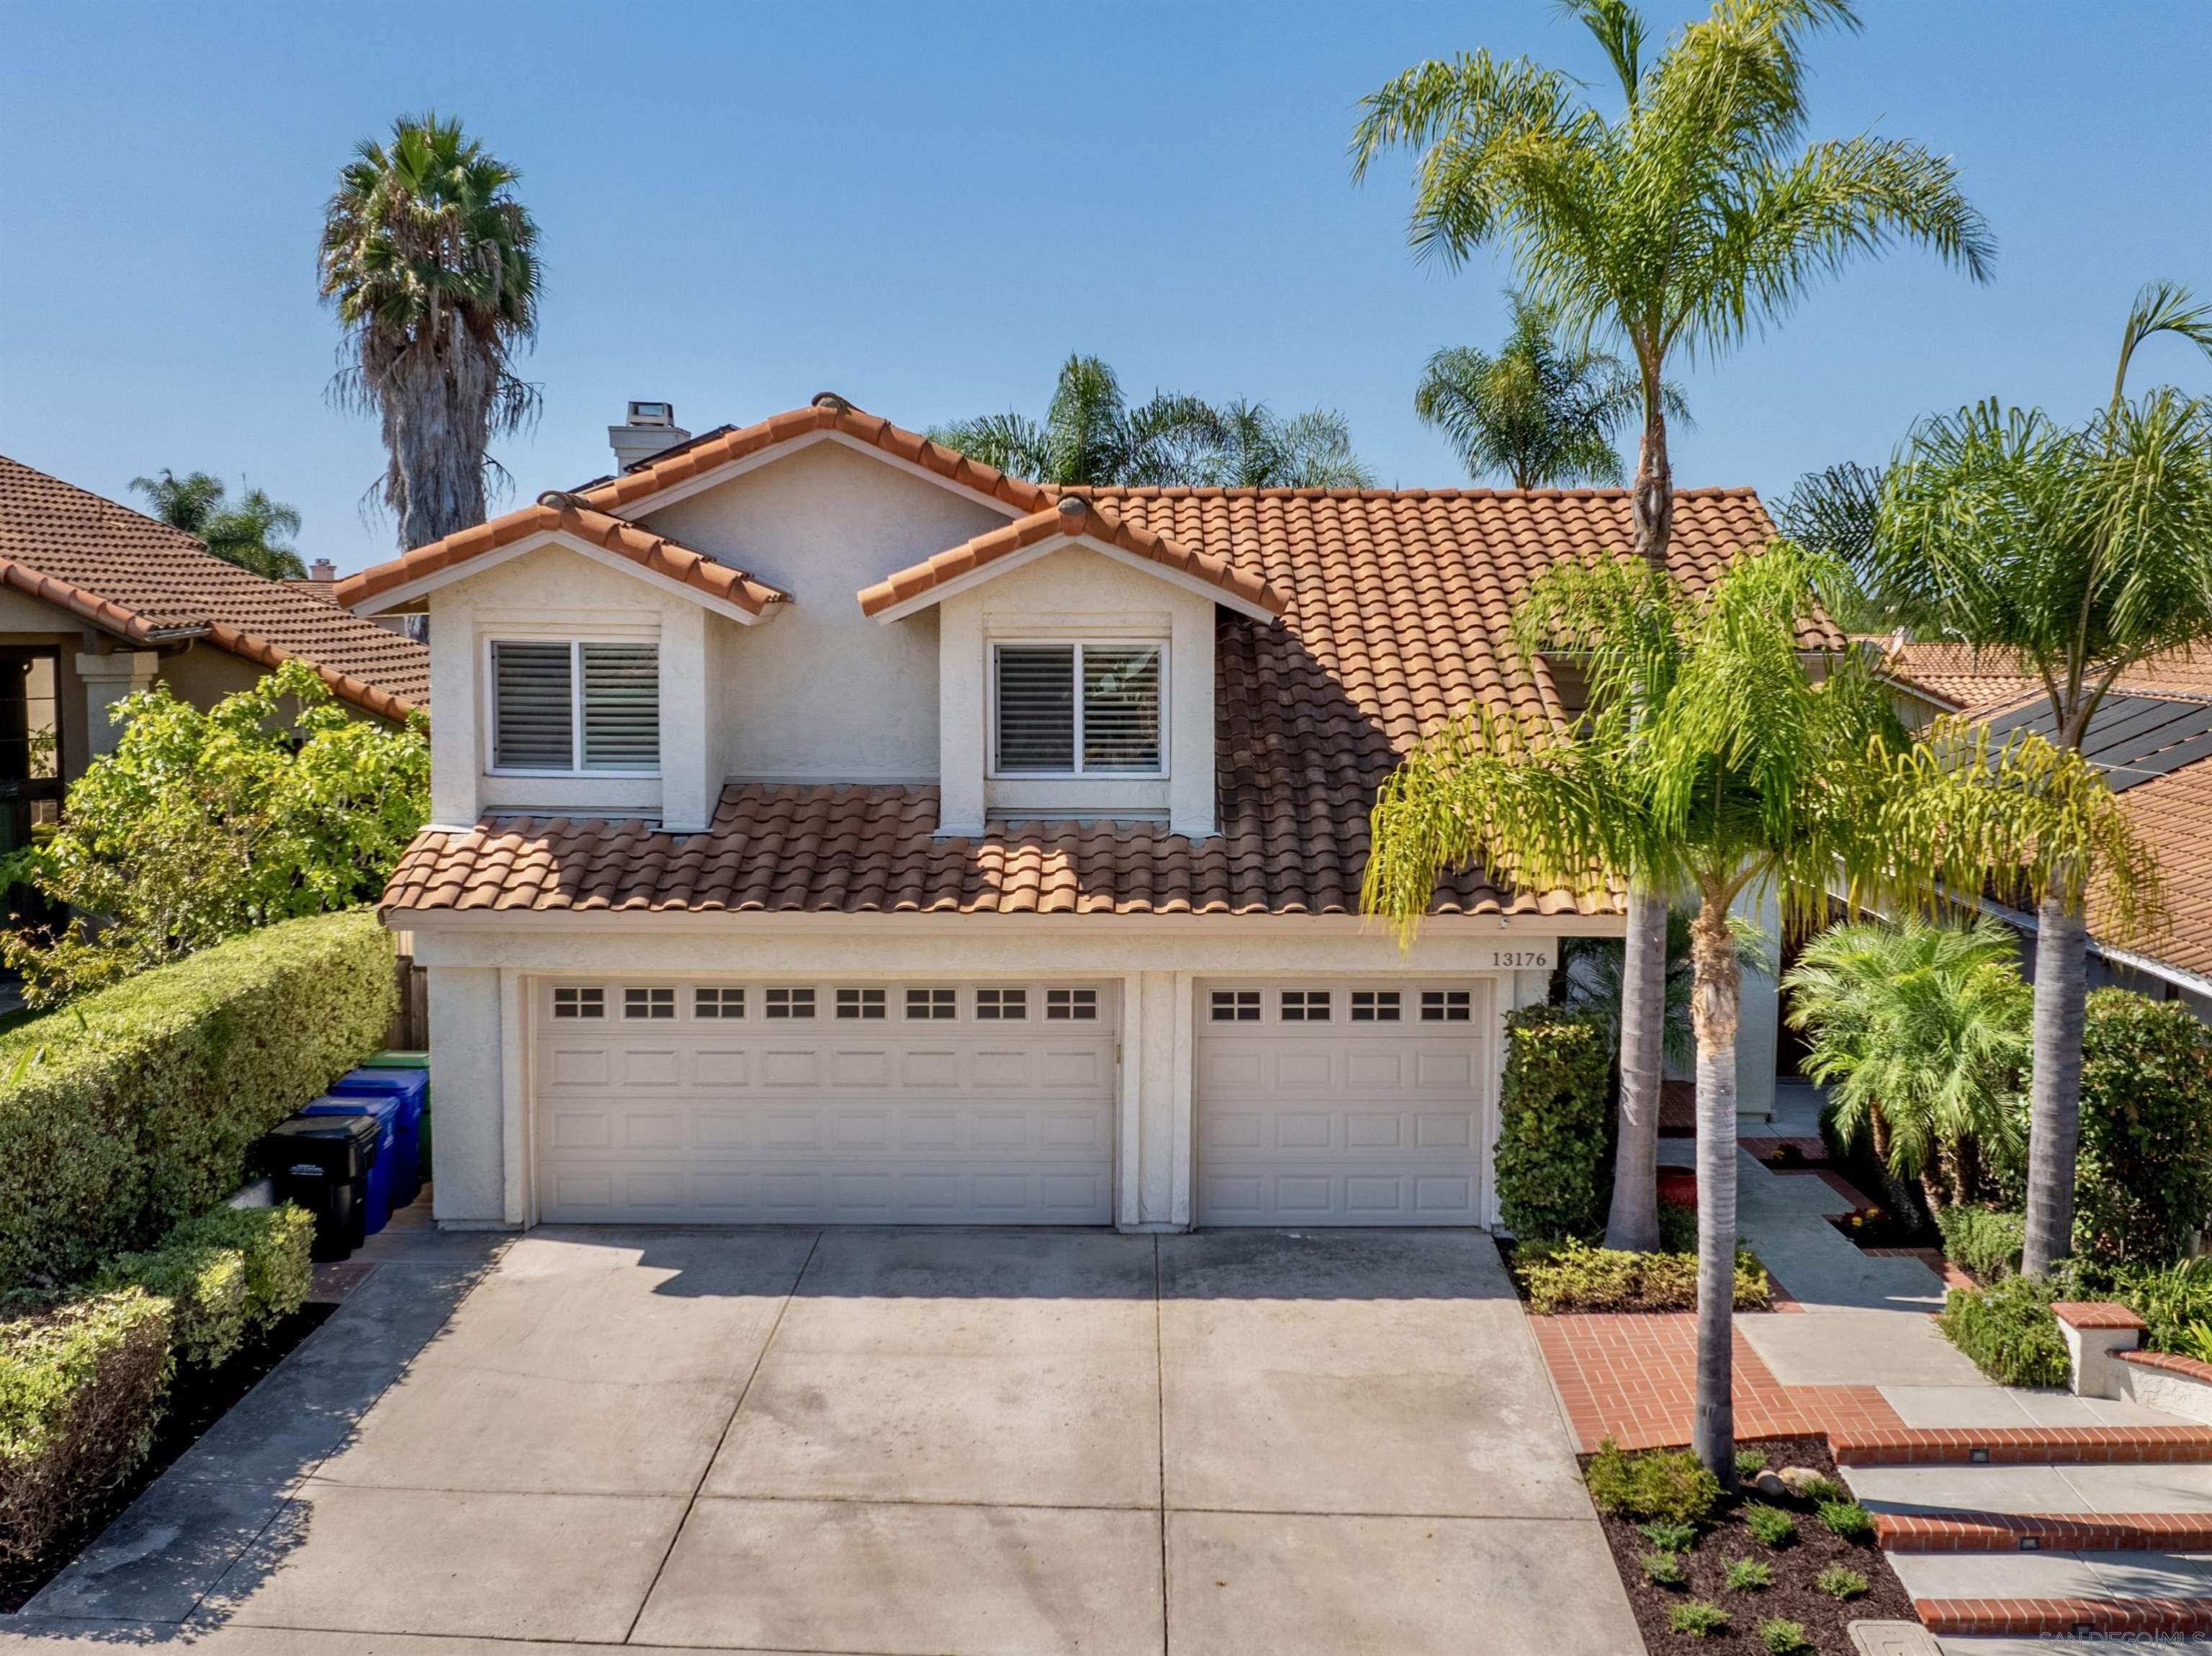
x: 1633, y: 1378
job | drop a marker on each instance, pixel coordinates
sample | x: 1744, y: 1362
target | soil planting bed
x: 1793, y: 1596
x: 198, y: 1398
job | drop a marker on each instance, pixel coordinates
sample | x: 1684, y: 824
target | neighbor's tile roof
x: 1071, y: 515
x: 567, y: 514
x: 1970, y: 678
x: 146, y: 583
x: 1399, y: 618
x: 2173, y: 812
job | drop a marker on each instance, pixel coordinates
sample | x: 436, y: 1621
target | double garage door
x: 795, y: 1102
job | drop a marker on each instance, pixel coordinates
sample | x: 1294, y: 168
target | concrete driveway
x: 989, y: 1443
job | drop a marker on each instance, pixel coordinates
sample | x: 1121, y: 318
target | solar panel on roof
x: 2133, y: 738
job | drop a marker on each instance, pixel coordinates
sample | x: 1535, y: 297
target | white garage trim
x: 1327, y: 1101
x: 816, y: 1100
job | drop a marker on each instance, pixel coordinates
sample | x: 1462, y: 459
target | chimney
x: 322, y: 569
x: 652, y: 427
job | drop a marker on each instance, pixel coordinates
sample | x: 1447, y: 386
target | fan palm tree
x: 246, y: 534
x: 1676, y: 227
x: 1751, y: 770
x: 432, y: 266
x: 2083, y: 549
x: 1542, y: 413
x: 1920, y: 1032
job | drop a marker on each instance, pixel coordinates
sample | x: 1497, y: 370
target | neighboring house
x: 2152, y: 735
x: 829, y: 828
x: 97, y: 601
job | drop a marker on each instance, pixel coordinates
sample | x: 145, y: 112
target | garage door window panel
x: 790, y: 1002
x: 1071, y: 1005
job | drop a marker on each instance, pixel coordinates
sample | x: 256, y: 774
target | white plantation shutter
x: 621, y: 707
x: 533, y: 706
x: 1121, y: 708
x: 1037, y: 707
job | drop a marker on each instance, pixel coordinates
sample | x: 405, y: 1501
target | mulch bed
x: 198, y: 1398
x: 1793, y: 1595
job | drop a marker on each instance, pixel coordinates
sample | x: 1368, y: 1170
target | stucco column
x: 468, y: 1089
x: 963, y: 693
x: 689, y: 784
x: 107, y: 680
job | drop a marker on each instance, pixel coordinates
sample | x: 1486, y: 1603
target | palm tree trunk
x: 2054, y: 1121
x: 1651, y: 502
x: 1714, y: 1003
x: 1633, y: 1221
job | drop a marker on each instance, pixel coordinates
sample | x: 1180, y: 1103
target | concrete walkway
x: 892, y: 1442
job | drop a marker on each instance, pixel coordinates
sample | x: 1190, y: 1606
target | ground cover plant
x: 1564, y: 1277
x: 2009, y: 1331
x: 1785, y: 1581
x: 1986, y: 1241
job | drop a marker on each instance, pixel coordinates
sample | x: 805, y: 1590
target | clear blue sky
x: 926, y: 209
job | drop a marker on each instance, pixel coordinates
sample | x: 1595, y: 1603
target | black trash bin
x: 322, y: 1163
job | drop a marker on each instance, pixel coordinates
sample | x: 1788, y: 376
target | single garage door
x: 824, y: 1102
x: 1341, y: 1103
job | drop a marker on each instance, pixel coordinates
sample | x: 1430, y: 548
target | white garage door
x: 796, y: 1101
x: 1341, y: 1103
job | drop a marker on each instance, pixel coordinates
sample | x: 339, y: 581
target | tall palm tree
x: 1676, y: 226
x: 246, y: 534
x: 2083, y: 549
x: 1755, y: 771
x: 1252, y: 446
x: 1919, y: 1031
x: 1541, y: 413
x: 432, y: 266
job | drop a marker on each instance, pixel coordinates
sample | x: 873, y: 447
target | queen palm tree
x: 431, y: 263
x: 1541, y: 413
x: 1252, y: 446
x: 246, y: 534
x: 1919, y: 1031
x: 1675, y: 228
x: 1751, y: 770
x: 2083, y: 549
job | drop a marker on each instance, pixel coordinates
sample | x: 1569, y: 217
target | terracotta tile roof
x: 2173, y: 812
x: 1398, y: 617
x: 567, y: 514
x: 146, y: 583
x: 1071, y: 515
x: 1967, y: 677
x: 829, y: 412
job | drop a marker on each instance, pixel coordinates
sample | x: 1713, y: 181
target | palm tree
x: 244, y: 534
x: 1920, y: 1032
x: 1751, y: 770
x: 2083, y: 549
x: 432, y: 266
x: 1090, y: 435
x: 1676, y: 227
x: 1541, y: 413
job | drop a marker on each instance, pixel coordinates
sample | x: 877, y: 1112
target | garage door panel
x: 711, y: 1120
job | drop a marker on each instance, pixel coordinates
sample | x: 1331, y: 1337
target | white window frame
x: 576, y: 641
x: 991, y: 690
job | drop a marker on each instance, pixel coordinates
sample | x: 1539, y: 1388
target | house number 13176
x: 1521, y: 957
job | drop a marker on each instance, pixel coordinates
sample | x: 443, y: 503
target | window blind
x: 1037, y: 707
x: 1078, y: 709
x: 533, y: 706
x: 1121, y: 708
x: 621, y: 707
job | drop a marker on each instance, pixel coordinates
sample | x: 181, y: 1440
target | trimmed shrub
x: 2175, y: 1299
x: 1696, y: 1619
x: 274, y: 1245
x: 1749, y: 1575
x: 1577, y: 1277
x: 1551, y: 1116
x: 2009, y: 1331
x: 133, y: 1108
x: 1784, y: 1637
x: 228, y: 1274
x: 1664, y: 1484
x: 80, y: 1392
x: 1840, y: 1581
x: 1669, y: 1535
x: 2144, y: 1184
x: 1770, y: 1526
x: 1847, y: 1519
x: 1663, y: 1569
x: 1986, y: 1241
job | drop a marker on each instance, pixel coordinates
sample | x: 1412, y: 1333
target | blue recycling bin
x: 412, y: 1089
x: 383, y: 1172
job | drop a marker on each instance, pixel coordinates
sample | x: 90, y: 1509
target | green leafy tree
x: 1543, y: 412
x: 1719, y: 761
x: 2143, y: 1187
x: 1919, y: 1032
x: 2082, y: 549
x: 252, y: 534
x: 431, y: 262
x: 1676, y: 227
x: 274, y: 802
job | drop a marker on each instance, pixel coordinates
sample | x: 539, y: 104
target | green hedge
x: 1551, y: 1116
x: 1573, y: 1275
x: 133, y: 1108
x: 2143, y: 1187
x: 80, y: 1392
x: 2009, y: 1331
x: 228, y: 1274
x: 1987, y: 1241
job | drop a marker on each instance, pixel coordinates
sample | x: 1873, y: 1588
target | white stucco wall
x: 468, y: 1092
x: 825, y: 694
x: 1076, y: 593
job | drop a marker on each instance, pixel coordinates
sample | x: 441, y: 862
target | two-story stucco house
x: 828, y: 828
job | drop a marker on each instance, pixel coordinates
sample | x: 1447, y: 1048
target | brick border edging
x: 2024, y: 1446
x: 2032, y: 1616
x: 2169, y: 1363
x: 1979, y: 1532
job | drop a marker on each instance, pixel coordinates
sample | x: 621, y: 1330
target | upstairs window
x: 575, y: 704
x: 1077, y: 709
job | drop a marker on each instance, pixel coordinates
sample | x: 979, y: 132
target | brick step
x: 1987, y: 1531
x: 2023, y: 1446
x: 2080, y: 1617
